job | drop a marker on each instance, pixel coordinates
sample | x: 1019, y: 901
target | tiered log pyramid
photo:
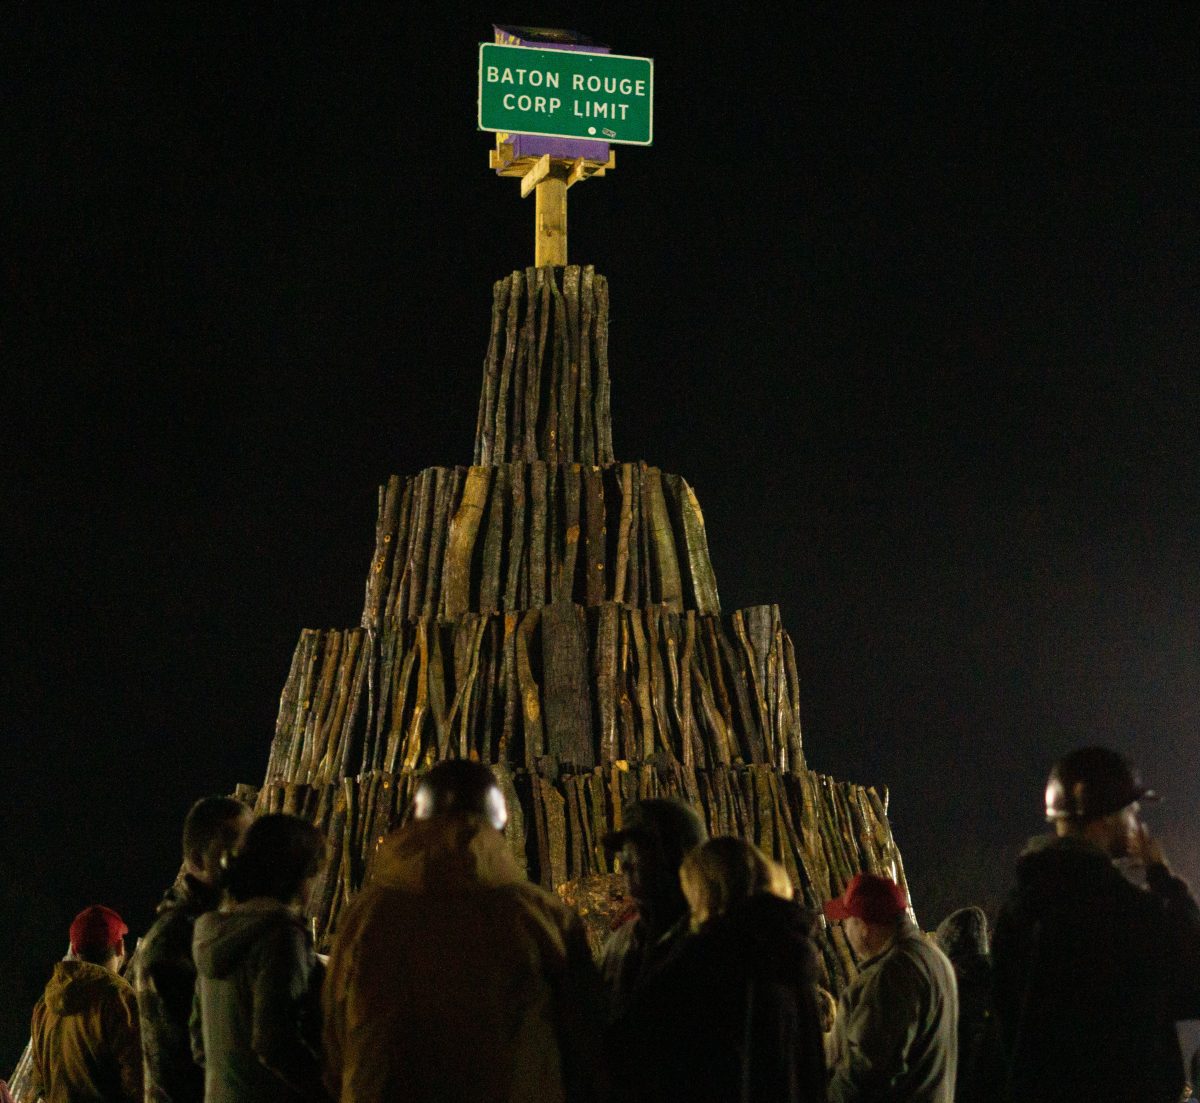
x: 554, y: 613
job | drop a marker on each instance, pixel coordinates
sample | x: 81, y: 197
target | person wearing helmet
x: 451, y: 976
x: 655, y: 837
x: 1091, y: 971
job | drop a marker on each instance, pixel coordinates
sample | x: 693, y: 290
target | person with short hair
x: 451, y: 976
x: 254, y: 1023
x: 655, y: 837
x: 732, y: 1016
x: 1091, y: 971
x: 896, y: 1035
x: 164, y: 971
x: 86, y: 1044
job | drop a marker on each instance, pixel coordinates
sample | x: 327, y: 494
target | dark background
x: 911, y: 298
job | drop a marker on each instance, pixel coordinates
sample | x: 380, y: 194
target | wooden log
x: 752, y: 627
x: 700, y: 569
x: 597, y: 536
x: 578, y: 858
x: 485, y: 424
x: 500, y: 452
x: 491, y: 660
x: 596, y: 807
x: 402, y: 690
x: 290, y: 702
x: 379, y: 575
x: 526, y: 343
x: 468, y: 636
x: 568, y: 448
x: 667, y: 587
x: 509, y: 687
x: 393, y: 606
x: 552, y: 448
x: 437, y: 691
x: 493, y: 544
x: 537, y: 535
x: 371, y: 716
x: 567, y: 698
x: 317, y: 731
x: 460, y: 548
x: 510, y: 596
x: 450, y: 484
x: 564, y: 584
x: 539, y: 313
x: 739, y: 681
x: 587, y: 426
x: 515, y: 832
x: 604, y: 441
x: 641, y: 681
x: 556, y: 831
x: 531, y: 706
x: 351, y: 720
x: 796, y: 738
x: 625, y: 537
x: 643, y: 567
x: 658, y: 688
x: 419, y: 541
x: 607, y: 702
x: 413, y: 743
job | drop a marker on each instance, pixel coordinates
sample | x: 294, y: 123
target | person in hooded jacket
x: 733, y: 1015
x: 86, y: 1045
x: 254, y: 1025
x: 451, y: 976
x: 164, y: 972
x: 963, y: 937
x: 1091, y: 971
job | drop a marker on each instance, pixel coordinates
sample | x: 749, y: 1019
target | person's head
x: 98, y: 936
x: 724, y: 871
x: 963, y: 936
x: 870, y: 911
x: 459, y: 786
x: 655, y: 837
x: 214, y: 826
x: 1096, y: 793
x: 279, y: 858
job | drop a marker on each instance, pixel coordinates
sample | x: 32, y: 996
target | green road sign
x: 566, y: 94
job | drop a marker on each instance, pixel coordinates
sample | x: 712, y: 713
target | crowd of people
x: 452, y: 978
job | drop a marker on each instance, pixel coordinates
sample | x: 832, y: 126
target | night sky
x: 912, y: 299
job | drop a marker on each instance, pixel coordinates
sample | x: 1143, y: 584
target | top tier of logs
x: 545, y: 393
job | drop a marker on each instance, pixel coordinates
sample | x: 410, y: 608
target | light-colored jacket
x: 896, y: 1035
x: 86, y: 1043
x: 452, y: 977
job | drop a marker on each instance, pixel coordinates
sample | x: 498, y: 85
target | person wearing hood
x: 255, y: 1026
x: 732, y: 1016
x: 451, y: 976
x: 655, y: 837
x: 1091, y: 971
x: 896, y: 1035
x: 85, y: 1040
x: 963, y: 937
x: 164, y: 972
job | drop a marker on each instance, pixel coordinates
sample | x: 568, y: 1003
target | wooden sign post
x: 557, y: 102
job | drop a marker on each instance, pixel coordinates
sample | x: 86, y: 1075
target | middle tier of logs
x: 509, y: 537
x: 585, y: 685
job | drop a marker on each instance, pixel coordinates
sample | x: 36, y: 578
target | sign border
x: 554, y: 133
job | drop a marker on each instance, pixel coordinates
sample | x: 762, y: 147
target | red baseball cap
x: 95, y: 929
x: 875, y: 899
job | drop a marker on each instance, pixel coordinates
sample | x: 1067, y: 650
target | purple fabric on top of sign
x: 537, y: 145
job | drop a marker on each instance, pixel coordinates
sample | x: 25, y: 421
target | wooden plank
x: 700, y: 569
x: 419, y: 543
x: 606, y: 680
x: 379, y: 574
x: 485, y: 425
x: 668, y: 586
x: 493, y: 544
x: 567, y: 698
x: 500, y: 450
x: 392, y: 606
x: 564, y: 583
x: 597, y: 536
x: 464, y: 532
x: 625, y: 537
x: 604, y: 441
x: 587, y: 429
x: 568, y: 450
x: 510, y: 597
x: 450, y: 484
x: 537, y: 535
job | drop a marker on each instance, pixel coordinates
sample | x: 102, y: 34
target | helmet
x: 460, y: 786
x: 1092, y: 782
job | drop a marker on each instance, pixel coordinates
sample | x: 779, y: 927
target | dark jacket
x: 963, y: 938
x: 896, y: 1035
x: 1091, y: 973
x: 165, y: 980
x: 453, y: 978
x: 632, y: 954
x: 732, y: 1017
x: 85, y: 1044
x: 253, y: 1025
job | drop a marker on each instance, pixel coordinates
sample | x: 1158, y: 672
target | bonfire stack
x: 554, y: 613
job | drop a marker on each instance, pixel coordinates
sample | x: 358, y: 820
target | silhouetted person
x: 656, y: 836
x: 963, y: 937
x: 164, y: 971
x: 254, y: 1026
x: 452, y: 977
x: 86, y: 1045
x: 896, y: 1036
x: 732, y: 1016
x: 1091, y: 971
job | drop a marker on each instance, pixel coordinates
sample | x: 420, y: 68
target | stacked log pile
x: 554, y: 612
